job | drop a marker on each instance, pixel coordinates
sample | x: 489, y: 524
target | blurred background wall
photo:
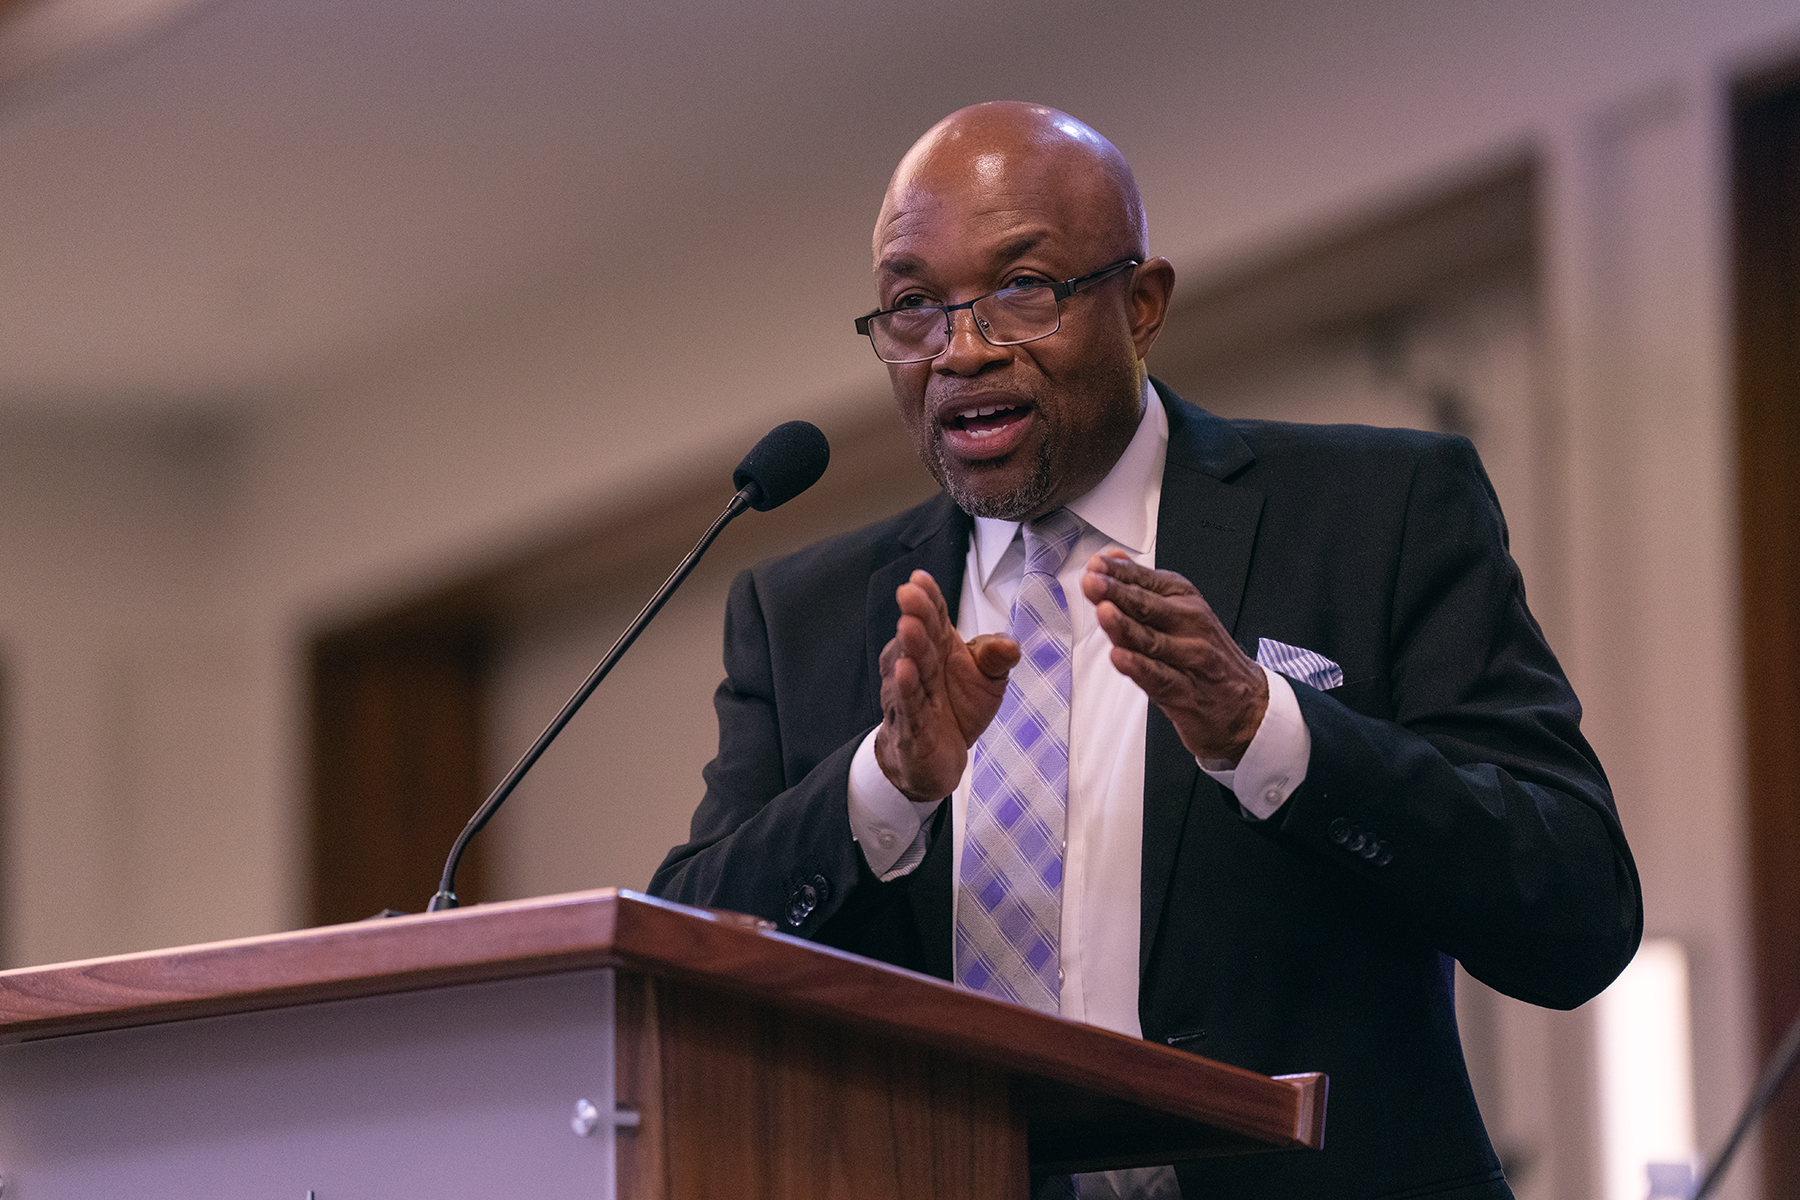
x: 341, y: 329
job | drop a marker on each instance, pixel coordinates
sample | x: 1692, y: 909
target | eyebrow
x: 897, y: 264
x: 1018, y: 247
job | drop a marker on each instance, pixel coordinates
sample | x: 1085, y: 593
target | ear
x: 1151, y: 286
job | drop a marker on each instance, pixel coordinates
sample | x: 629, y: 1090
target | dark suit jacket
x: 1451, y: 809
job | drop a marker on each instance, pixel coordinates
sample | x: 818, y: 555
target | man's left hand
x: 1168, y: 641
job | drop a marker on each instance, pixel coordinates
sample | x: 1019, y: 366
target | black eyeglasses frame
x: 1058, y: 291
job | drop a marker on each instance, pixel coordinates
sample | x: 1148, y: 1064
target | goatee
x: 1013, y: 505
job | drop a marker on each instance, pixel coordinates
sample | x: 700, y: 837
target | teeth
x: 980, y: 412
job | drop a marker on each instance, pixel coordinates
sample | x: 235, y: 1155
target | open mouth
x: 986, y: 421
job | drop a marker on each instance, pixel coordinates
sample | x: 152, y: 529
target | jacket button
x: 1372, y: 849
x: 801, y: 902
x: 1340, y: 831
x: 804, y: 896
x: 1385, y: 857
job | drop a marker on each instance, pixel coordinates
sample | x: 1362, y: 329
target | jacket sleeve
x: 772, y: 835
x: 1469, y: 798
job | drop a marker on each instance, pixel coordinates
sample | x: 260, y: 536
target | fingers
x: 1129, y: 633
x: 903, y: 693
x: 1167, y: 640
x: 1095, y: 576
x: 1161, y: 599
x: 919, y: 597
x: 910, y: 746
x: 906, y: 701
x: 924, y: 634
x: 1164, y: 684
x: 928, y: 680
x: 1114, y: 563
x: 919, y: 648
x: 914, y: 661
x: 995, y: 655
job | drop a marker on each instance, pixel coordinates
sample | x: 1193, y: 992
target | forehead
x: 934, y: 230
x: 935, y: 240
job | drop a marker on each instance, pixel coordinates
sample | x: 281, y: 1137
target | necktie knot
x: 1048, y: 541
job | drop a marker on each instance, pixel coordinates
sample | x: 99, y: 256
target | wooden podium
x: 594, y: 1044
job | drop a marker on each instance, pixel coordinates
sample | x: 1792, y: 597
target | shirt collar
x: 1122, y: 506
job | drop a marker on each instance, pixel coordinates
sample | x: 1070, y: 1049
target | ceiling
x: 211, y: 202
x: 218, y: 202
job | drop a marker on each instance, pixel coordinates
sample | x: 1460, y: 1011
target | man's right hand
x: 937, y: 692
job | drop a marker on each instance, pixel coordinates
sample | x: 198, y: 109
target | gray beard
x: 1015, y: 505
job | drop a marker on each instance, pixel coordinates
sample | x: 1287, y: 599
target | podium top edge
x: 611, y: 927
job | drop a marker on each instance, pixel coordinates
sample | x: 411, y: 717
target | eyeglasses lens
x: 908, y: 334
x: 1017, y: 315
x: 1004, y: 318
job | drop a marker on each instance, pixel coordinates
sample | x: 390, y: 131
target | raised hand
x: 1168, y: 641
x: 937, y: 692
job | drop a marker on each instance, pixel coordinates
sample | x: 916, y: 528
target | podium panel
x: 454, y: 1091
x: 594, y: 1044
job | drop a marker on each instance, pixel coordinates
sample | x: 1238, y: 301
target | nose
x: 967, y: 352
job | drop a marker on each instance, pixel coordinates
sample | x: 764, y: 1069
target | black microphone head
x: 788, y: 460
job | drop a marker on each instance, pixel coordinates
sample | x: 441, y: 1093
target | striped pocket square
x: 1314, y: 670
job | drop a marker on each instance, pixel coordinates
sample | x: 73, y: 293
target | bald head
x: 1018, y: 148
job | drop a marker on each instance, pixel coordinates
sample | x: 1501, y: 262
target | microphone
x: 789, y: 459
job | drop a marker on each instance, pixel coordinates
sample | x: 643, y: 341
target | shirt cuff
x: 889, y: 827
x: 1275, y: 762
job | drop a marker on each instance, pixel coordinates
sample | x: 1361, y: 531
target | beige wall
x: 157, y: 580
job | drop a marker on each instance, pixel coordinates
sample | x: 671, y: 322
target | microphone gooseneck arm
x: 446, y: 893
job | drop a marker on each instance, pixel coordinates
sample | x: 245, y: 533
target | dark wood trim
x: 1766, y: 179
x: 1083, y: 1087
x: 895, y: 1120
x: 399, y: 724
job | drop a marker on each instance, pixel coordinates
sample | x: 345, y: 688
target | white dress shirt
x: 1104, y: 828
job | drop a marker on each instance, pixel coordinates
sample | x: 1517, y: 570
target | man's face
x: 1012, y: 431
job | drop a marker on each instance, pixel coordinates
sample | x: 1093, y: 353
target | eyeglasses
x: 917, y: 332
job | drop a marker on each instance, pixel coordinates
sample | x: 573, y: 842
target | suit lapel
x: 1205, y: 532
x: 1206, y: 527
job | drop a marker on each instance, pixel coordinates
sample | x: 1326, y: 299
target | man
x: 1284, y: 739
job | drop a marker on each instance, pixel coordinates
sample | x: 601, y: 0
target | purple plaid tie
x: 1009, y: 907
